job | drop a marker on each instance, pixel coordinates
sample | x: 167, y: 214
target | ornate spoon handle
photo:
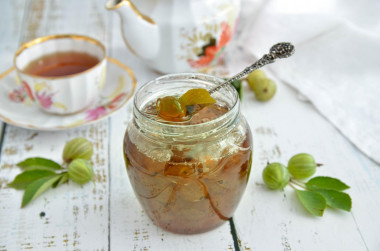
x: 280, y: 50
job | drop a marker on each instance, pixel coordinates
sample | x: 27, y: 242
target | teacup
x: 64, y: 73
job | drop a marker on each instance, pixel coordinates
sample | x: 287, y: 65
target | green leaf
x: 27, y: 177
x: 336, y: 199
x: 312, y: 201
x: 237, y: 84
x: 326, y: 183
x: 62, y: 179
x: 36, y: 188
x: 39, y: 164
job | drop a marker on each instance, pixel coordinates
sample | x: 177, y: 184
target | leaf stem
x: 298, y: 183
x: 292, y: 185
x: 64, y: 165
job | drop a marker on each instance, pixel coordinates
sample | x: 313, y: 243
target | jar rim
x: 210, y: 79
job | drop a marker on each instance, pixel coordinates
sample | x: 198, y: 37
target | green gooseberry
x: 80, y: 171
x: 265, y: 89
x: 255, y: 77
x: 78, y: 148
x: 302, y: 166
x: 276, y: 176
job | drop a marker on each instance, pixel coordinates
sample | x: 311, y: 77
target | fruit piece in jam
x: 174, y: 109
x: 170, y: 108
x: 197, y: 97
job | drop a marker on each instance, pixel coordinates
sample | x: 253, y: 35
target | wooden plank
x: 10, y: 21
x: 70, y: 217
x: 10, y: 33
x: 130, y: 228
x: 275, y: 220
x: 63, y: 218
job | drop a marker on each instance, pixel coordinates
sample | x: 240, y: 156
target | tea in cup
x: 63, y: 74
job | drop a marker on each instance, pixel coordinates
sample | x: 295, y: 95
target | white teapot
x: 177, y: 35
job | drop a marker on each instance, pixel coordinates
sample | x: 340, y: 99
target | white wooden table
x: 107, y: 216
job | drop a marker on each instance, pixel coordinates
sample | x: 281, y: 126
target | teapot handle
x: 140, y: 33
x: 115, y: 4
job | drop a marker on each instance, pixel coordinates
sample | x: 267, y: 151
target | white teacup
x: 63, y: 94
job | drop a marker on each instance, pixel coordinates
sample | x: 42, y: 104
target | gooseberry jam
x: 189, y: 176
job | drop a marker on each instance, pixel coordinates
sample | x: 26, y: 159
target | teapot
x: 177, y: 35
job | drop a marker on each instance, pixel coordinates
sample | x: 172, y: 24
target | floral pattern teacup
x: 62, y: 94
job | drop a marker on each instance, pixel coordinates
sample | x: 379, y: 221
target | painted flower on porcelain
x: 206, y: 47
x: 45, y: 99
x: 20, y: 94
x: 97, y: 112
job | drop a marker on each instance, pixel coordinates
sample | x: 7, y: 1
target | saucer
x: 16, y: 108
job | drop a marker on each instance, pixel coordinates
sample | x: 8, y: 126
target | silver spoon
x: 280, y: 50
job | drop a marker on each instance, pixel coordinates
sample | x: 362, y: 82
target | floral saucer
x: 16, y: 108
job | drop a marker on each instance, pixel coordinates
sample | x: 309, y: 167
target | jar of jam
x: 188, y: 175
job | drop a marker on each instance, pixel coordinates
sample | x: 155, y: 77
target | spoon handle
x: 280, y: 50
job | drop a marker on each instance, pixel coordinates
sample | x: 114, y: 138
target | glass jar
x: 188, y: 176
